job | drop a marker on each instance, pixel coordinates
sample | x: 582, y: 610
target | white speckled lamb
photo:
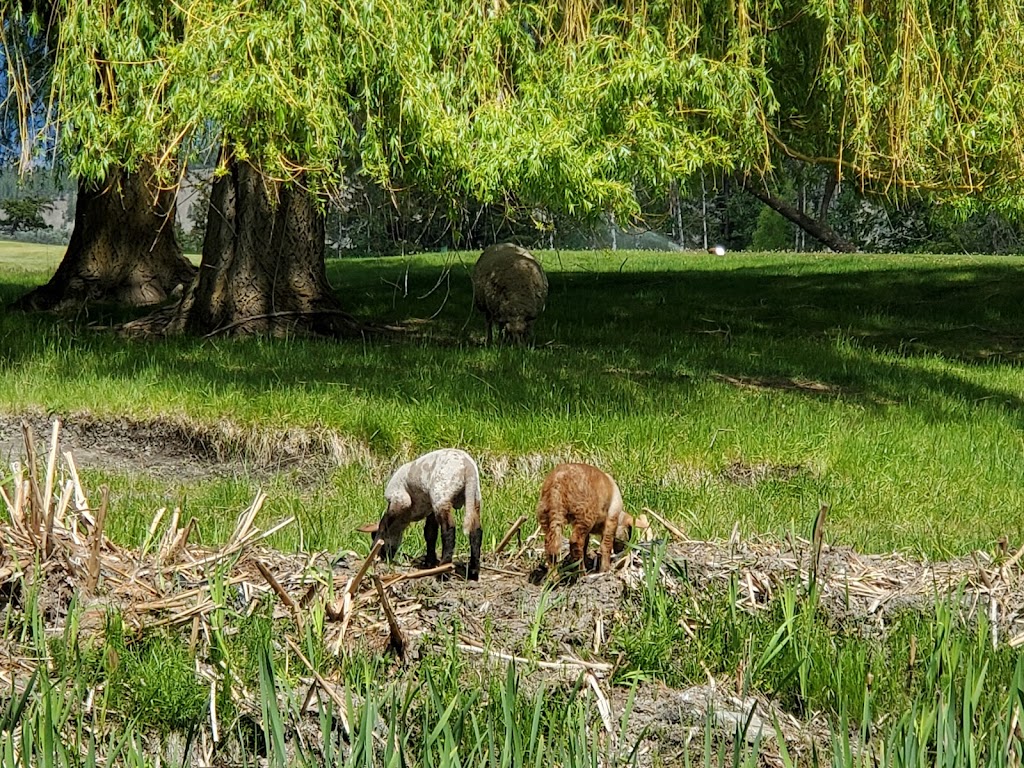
x: 430, y: 488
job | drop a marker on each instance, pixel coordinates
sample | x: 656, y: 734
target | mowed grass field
x: 743, y: 390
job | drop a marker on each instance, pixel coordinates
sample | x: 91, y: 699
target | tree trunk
x: 816, y: 229
x: 263, y: 269
x: 122, y: 249
x: 831, y: 182
x: 675, y: 203
x: 704, y: 209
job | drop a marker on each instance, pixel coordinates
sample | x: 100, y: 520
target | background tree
x: 535, y: 104
x: 123, y: 247
x: 25, y: 213
x: 901, y: 97
x: 572, y: 108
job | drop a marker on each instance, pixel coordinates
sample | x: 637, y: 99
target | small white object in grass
x: 718, y: 250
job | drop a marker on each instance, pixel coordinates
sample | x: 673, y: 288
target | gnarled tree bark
x: 263, y: 269
x: 122, y: 250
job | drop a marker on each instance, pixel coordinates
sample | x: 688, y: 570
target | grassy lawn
x: 29, y: 259
x: 743, y: 390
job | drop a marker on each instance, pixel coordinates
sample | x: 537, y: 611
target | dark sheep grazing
x: 510, y: 289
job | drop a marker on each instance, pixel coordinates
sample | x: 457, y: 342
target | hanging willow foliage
x: 569, y: 104
x: 916, y: 94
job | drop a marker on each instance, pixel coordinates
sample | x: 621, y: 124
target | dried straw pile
x: 854, y: 586
x: 55, y: 534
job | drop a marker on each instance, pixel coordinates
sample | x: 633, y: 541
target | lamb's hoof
x: 538, y: 575
x: 571, y: 570
x: 472, y: 572
x: 428, y: 562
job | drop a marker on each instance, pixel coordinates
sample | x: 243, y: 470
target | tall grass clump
x: 925, y: 686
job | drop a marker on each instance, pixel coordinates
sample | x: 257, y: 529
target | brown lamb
x: 587, y: 499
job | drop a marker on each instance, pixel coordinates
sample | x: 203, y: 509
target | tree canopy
x: 566, y: 104
x: 469, y: 99
x: 908, y: 94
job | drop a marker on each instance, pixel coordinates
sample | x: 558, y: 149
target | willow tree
x: 568, y: 105
x: 902, y: 97
x: 123, y: 247
x: 534, y: 104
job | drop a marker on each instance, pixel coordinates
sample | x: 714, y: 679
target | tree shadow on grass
x: 863, y: 330
x: 855, y: 327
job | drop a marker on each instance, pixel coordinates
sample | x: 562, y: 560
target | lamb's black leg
x: 430, y: 534
x: 476, y: 539
x: 447, y: 542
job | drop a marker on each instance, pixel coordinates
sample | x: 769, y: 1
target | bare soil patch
x: 157, y: 448
x: 180, y: 449
x: 781, y: 382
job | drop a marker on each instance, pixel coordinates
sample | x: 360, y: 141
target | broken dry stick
x: 35, y: 496
x: 179, y: 541
x: 508, y: 536
x: 97, y: 542
x: 526, y: 546
x: 48, y: 509
x: 361, y: 573
x: 670, y: 527
x: 281, y: 592
x: 1012, y: 562
x: 310, y: 593
x: 327, y: 687
x: 604, y: 707
x: 397, y: 640
x: 421, y: 574
x: 274, y: 585
x: 564, y: 664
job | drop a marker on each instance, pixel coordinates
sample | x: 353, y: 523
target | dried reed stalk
x: 281, y: 592
x: 397, y: 641
x: 423, y: 573
x: 357, y: 580
x: 93, y: 568
x: 509, y: 534
x: 565, y: 663
x: 670, y: 527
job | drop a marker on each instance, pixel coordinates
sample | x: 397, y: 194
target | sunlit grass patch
x: 891, y: 382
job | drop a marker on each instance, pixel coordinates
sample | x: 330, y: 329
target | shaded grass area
x: 743, y: 390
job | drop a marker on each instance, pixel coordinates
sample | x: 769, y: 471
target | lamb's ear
x: 369, y: 528
x: 641, y: 522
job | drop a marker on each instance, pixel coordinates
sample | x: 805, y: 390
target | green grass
x: 29, y: 258
x: 108, y: 699
x: 889, y: 385
x: 802, y: 656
